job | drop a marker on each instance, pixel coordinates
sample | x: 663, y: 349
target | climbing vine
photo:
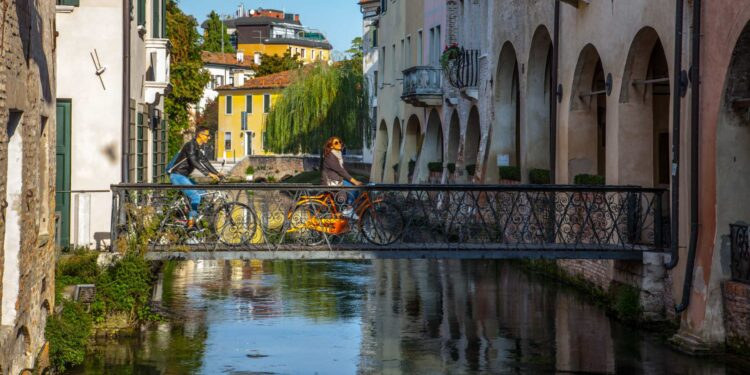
x: 321, y: 102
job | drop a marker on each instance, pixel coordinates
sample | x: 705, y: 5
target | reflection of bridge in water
x: 265, y: 221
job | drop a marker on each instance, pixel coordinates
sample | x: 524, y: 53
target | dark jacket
x: 192, y: 156
x: 333, y: 171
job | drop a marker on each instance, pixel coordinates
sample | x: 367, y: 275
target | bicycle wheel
x: 382, y: 224
x: 172, y: 229
x: 302, y: 222
x: 235, y: 224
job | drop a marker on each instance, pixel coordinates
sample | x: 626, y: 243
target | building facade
x: 275, y: 32
x: 243, y: 109
x: 224, y: 68
x: 27, y: 164
x: 608, y: 99
x: 110, y: 108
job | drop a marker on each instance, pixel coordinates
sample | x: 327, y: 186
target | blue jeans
x: 194, y: 196
x: 351, y: 195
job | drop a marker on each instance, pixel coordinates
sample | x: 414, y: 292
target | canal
x: 388, y: 316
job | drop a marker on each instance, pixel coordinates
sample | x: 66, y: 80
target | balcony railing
x: 463, y: 71
x: 423, y: 86
x: 740, y: 249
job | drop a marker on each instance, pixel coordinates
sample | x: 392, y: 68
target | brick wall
x: 596, y: 272
x: 737, y: 314
x: 27, y: 87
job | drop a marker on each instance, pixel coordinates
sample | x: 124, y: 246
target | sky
x: 340, y: 20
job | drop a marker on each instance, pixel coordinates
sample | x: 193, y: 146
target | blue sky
x: 340, y: 20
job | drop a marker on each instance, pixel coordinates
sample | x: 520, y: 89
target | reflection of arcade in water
x: 457, y: 317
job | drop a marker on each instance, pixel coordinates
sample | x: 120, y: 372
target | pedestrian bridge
x: 285, y: 221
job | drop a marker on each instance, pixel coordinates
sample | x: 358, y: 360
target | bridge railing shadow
x: 607, y: 222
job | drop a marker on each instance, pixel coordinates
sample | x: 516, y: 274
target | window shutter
x: 229, y: 105
x: 141, y: 12
x: 249, y: 103
x: 74, y: 3
x: 244, y: 120
x: 155, y: 18
x: 163, y: 18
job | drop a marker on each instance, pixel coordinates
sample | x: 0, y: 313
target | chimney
x: 296, y: 18
x: 256, y: 58
x: 239, y: 77
x: 241, y: 10
x: 240, y: 56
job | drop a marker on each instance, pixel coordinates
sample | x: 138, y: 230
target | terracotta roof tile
x: 271, y: 81
x: 226, y: 59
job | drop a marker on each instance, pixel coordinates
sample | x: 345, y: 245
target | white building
x: 111, y: 125
x: 224, y: 68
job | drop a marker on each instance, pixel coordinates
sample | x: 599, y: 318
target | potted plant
x: 451, y: 167
x: 436, y: 170
x: 471, y: 169
x: 588, y: 179
x: 249, y: 171
x: 450, y: 53
x: 539, y: 176
x: 509, y: 175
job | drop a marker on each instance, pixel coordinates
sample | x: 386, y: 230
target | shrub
x: 510, y: 173
x: 271, y: 179
x: 435, y: 166
x: 250, y: 170
x: 588, y: 179
x: 471, y: 169
x: 539, y: 176
x: 68, y: 333
x: 451, y: 167
x: 125, y: 287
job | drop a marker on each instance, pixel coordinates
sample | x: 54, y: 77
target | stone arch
x: 588, y: 116
x: 390, y: 174
x: 504, y: 143
x: 644, y: 114
x: 454, y: 140
x: 536, y: 134
x: 22, y: 347
x: 733, y: 141
x: 432, y: 149
x: 412, y: 143
x: 471, y: 140
x: 380, y: 152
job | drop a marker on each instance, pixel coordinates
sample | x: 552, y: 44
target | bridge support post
x: 653, y: 286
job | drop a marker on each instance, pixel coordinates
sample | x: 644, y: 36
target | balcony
x: 157, y: 75
x: 463, y: 71
x: 423, y: 86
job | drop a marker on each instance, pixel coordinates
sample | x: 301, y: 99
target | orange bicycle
x: 316, y: 218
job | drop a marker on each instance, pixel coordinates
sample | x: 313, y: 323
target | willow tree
x: 322, y: 101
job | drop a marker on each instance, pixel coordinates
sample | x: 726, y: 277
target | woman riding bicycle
x: 333, y: 172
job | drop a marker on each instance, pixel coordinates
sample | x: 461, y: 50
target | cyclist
x: 333, y: 172
x: 192, y: 156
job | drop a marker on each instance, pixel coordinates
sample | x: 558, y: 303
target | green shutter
x: 155, y: 18
x: 141, y: 12
x: 249, y: 103
x: 266, y: 103
x: 163, y: 18
x: 229, y: 105
x: 74, y: 3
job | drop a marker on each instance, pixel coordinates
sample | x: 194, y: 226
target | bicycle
x: 233, y: 222
x: 315, y: 217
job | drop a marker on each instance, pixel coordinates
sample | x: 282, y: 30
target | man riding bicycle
x: 192, y: 156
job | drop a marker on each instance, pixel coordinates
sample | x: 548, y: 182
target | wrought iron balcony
x: 740, y: 250
x: 423, y: 86
x: 463, y: 71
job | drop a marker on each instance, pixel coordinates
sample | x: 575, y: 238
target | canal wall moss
x: 120, y: 303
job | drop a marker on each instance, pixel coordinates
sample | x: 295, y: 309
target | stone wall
x: 27, y: 141
x: 280, y: 167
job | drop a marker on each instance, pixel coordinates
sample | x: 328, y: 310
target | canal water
x: 382, y: 317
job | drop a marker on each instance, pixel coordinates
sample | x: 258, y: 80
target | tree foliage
x: 322, y: 101
x: 355, y: 51
x: 209, y: 117
x: 215, y: 33
x: 186, y: 74
x: 271, y: 64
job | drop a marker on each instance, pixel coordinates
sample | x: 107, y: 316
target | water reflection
x: 384, y: 317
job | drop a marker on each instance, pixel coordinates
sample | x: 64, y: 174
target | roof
x: 262, y: 20
x: 299, y: 42
x: 226, y: 59
x: 271, y: 81
x: 362, y: 2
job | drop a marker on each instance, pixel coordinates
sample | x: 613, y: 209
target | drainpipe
x: 676, y: 112
x: 687, y: 284
x: 554, y: 97
x: 125, y: 90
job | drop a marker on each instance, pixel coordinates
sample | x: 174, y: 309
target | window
x: 303, y: 53
x: 74, y: 3
x: 266, y: 103
x: 218, y: 81
x: 227, y: 141
x: 393, y: 61
x: 140, y: 148
x: 228, y: 105
x: 375, y: 84
x: 382, y: 62
x: 141, y: 12
x: 432, y: 46
x: 374, y: 37
x: 249, y: 103
x: 403, y: 55
x: 383, y: 5
x: 407, y: 52
x: 243, y: 120
x: 420, y: 51
x: 158, y: 146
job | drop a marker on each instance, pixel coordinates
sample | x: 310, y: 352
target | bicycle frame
x: 336, y: 225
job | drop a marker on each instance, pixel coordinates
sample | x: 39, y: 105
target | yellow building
x: 243, y: 109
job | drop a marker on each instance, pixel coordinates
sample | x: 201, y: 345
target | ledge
x: 64, y: 8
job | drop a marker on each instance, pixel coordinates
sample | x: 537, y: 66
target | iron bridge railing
x: 500, y: 221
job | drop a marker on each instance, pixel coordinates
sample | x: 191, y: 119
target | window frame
x: 228, y: 105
